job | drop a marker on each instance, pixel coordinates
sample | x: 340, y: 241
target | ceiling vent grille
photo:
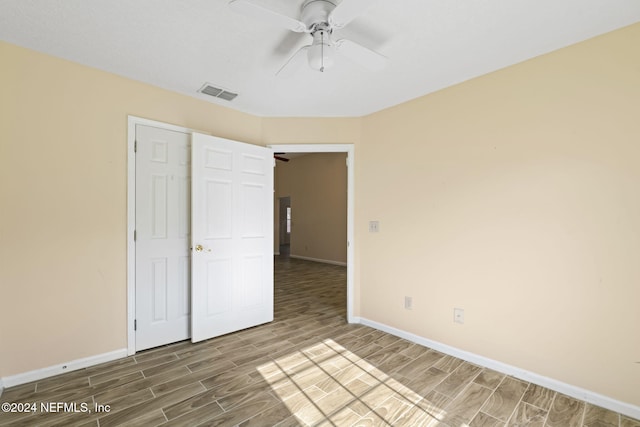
x: 217, y: 92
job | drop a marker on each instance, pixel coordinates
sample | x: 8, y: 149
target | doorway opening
x: 329, y: 148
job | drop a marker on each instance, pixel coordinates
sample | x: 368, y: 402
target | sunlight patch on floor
x: 326, y: 384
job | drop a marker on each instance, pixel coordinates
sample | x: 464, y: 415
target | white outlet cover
x: 374, y: 226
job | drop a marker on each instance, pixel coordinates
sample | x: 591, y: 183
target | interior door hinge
x: 135, y: 324
x: 134, y: 235
x: 347, y: 161
x: 135, y: 146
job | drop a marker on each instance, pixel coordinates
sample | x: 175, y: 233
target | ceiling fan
x: 278, y: 156
x: 318, y: 18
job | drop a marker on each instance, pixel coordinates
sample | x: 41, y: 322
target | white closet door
x: 163, y: 301
x: 232, y: 236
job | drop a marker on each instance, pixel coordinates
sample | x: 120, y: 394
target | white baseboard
x: 325, y: 261
x: 568, y: 389
x: 62, y: 368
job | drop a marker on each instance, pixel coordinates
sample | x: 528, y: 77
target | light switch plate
x: 458, y: 315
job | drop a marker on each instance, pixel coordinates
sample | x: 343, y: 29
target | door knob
x: 199, y: 248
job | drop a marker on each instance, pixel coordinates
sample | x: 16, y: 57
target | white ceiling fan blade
x: 361, y: 55
x: 248, y: 8
x: 294, y: 63
x: 347, y: 11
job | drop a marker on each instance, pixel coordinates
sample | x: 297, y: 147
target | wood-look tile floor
x: 307, y: 367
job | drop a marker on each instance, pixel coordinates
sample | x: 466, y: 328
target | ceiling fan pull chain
x: 322, y: 51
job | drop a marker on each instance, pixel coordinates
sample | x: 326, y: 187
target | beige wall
x: 63, y: 178
x: 63, y: 184
x: 317, y: 185
x: 322, y: 130
x: 515, y: 196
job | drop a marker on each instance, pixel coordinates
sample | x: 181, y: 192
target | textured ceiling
x: 181, y: 44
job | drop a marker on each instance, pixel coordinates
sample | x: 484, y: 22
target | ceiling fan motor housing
x: 316, y: 12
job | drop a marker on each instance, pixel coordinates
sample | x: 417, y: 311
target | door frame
x: 336, y: 148
x: 132, y: 121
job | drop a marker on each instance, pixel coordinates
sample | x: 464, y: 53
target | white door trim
x: 336, y: 148
x: 132, y: 121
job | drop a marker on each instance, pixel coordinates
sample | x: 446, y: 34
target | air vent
x: 210, y: 90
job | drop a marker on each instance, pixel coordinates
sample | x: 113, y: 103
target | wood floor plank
x: 343, y: 417
x: 489, y: 378
x: 190, y: 377
x: 448, y: 363
x: 504, y: 400
x: 483, y: 420
x: 539, y: 396
x: 19, y: 392
x: 414, y: 351
x: 100, y: 377
x: 417, y: 417
x: 527, y: 415
x: 418, y: 365
x: 231, y: 400
x: 206, y: 398
x: 371, y: 419
x: 393, y: 408
x: 133, y: 412
x: 595, y: 416
x: 458, y: 379
x: 333, y: 402
x: 195, y: 416
x: 243, y: 412
x: 628, y: 422
x: 427, y: 380
x: 184, y: 362
x: 299, y: 400
x: 435, y: 403
x: 388, y: 360
x: 141, y: 384
x: 154, y: 353
x: 464, y: 407
x: 152, y: 418
x: 268, y: 417
x: 565, y: 412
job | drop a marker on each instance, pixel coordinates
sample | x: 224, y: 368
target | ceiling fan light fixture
x: 321, y: 52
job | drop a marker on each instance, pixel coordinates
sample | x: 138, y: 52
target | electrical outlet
x: 458, y: 315
x: 408, y: 303
x: 374, y: 226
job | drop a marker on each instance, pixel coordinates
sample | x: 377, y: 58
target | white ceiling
x: 181, y: 44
